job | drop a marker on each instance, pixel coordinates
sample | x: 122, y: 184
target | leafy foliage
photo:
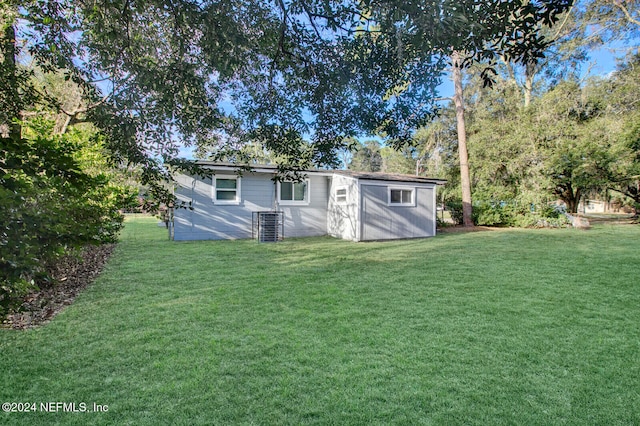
x: 367, y: 157
x: 291, y: 69
x: 56, y: 195
x: 573, y: 141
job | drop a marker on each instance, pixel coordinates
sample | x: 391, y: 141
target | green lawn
x: 506, y: 327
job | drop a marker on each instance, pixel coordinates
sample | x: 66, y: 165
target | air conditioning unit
x: 268, y: 227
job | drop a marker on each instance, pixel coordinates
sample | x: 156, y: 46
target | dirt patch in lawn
x: 460, y: 228
x: 71, y: 275
x: 612, y: 219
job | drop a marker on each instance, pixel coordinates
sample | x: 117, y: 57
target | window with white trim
x: 293, y: 192
x: 226, y: 189
x: 401, y: 196
x: 341, y: 194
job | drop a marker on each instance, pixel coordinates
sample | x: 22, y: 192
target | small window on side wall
x: 341, y: 195
x: 226, y: 190
x: 401, y: 197
x: 292, y: 193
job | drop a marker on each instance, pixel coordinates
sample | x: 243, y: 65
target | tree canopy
x: 157, y: 73
x: 574, y: 141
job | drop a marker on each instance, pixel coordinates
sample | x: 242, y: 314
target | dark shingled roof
x: 394, y: 177
x: 391, y: 177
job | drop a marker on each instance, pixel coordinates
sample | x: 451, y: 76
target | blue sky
x: 602, y: 63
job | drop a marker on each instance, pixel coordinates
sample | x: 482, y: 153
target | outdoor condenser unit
x: 268, y: 226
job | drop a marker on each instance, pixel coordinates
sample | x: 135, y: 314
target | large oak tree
x: 157, y: 72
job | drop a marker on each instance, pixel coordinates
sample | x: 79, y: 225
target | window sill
x: 293, y: 203
x: 401, y: 204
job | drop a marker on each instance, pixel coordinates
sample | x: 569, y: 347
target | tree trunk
x: 572, y: 199
x: 12, y: 108
x: 529, y: 74
x: 465, y: 176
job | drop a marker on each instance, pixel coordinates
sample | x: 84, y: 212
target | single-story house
x: 345, y: 204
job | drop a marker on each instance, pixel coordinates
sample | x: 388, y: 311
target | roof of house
x: 271, y: 168
x: 394, y: 177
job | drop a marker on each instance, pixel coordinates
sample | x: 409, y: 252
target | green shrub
x: 487, y: 215
x: 56, y: 194
x: 455, y: 209
x: 549, y: 212
x: 441, y: 223
x: 494, y: 214
x: 518, y: 215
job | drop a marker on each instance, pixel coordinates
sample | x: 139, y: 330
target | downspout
x: 170, y: 223
x: 359, y: 210
x: 276, y: 205
x: 435, y: 210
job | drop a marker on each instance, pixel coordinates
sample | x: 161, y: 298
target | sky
x: 602, y: 63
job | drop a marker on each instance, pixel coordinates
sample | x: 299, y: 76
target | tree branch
x: 564, y: 22
x: 626, y: 194
x: 624, y: 10
x: 310, y: 16
x: 79, y: 110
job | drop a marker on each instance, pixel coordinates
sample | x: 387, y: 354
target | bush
x: 487, y: 215
x: 53, y: 199
x: 494, y: 214
x: 517, y: 215
x: 455, y: 210
x: 549, y: 211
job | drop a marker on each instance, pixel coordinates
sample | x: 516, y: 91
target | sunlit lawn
x: 504, y: 327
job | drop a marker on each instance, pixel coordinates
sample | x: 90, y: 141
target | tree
x: 329, y: 69
x: 57, y: 193
x: 563, y: 146
x: 502, y: 144
x: 154, y: 73
x: 400, y: 161
x: 437, y: 145
x: 611, y: 19
x: 366, y: 157
x: 621, y: 93
x: 12, y: 78
x: 568, y: 42
x: 465, y: 177
x: 483, y: 45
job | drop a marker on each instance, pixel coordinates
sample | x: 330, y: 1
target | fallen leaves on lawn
x: 71, y: 275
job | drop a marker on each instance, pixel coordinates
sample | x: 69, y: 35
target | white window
x: 226, y: 189
x: 341, y: 194
x: 291, y: 193
x: 401, y: 197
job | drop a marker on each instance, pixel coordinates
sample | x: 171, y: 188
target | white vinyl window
x: 226, y: 189
x: 292, y: 193
x: 401, y: 197
x: 341, y: 195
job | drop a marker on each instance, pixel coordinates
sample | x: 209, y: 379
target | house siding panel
x: 308, y: 220
x: 382, y: 222
x: 208, y: 221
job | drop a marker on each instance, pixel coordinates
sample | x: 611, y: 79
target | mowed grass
x: 504, y: 327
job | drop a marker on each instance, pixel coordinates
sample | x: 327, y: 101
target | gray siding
x: 309, y: 220
x: 210, y: 221
x: 382, y: 222
x: 365, y: 216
